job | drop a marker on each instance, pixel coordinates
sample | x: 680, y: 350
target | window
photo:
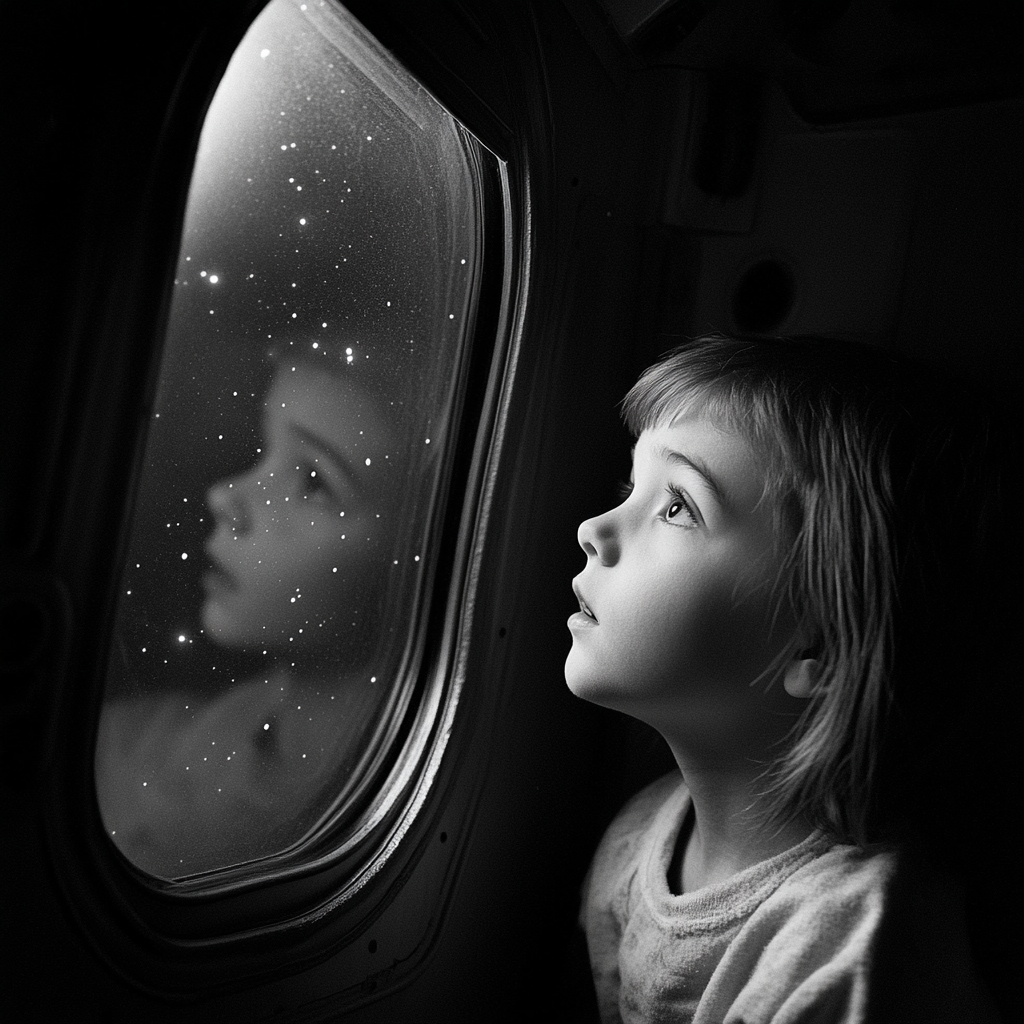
x: 270, y: 622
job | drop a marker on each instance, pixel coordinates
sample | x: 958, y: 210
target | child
x: 301, y: 559
x: 789, y: 594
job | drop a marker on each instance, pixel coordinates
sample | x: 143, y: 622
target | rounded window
x: 270, y: 624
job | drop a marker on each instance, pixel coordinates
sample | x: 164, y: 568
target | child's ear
x: 801, y: 677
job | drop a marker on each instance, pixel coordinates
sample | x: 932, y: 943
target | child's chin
x: 583, y: 681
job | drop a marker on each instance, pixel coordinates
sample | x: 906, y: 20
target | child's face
x: 293, y: 551
x: 679, y: 583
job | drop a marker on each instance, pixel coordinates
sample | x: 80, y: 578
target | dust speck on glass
x: 272, y: 603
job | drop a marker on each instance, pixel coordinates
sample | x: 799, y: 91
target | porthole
x: 266, y: 699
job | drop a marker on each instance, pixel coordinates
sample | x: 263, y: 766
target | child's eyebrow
x: 319, y: 442
x: 698, y: 466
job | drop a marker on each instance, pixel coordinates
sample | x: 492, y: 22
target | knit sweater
x: 820, y: 933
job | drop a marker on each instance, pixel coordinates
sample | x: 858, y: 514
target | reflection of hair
x: 882, y: 477
x: 364, y: 363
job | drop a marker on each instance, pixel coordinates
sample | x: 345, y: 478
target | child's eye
x: 312, y: 485
x: 679, y: 511
x: 624, y: 489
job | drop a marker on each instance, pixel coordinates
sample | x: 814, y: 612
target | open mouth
x: 218, y: 579
x: 584, y: 607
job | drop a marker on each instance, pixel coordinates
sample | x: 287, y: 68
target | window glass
x: 272, y: 603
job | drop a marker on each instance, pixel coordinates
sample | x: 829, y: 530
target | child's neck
x: 721, y: 837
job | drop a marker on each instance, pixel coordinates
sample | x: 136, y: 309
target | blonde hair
x: 858, y: 446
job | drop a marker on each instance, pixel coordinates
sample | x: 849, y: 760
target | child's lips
x: 585, y: 609
x: 218, y: 579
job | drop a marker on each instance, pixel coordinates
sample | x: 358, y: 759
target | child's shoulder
x: 837, y: 898
x: 851, y: 894
x: 842, y: 923
x: 842, y: 873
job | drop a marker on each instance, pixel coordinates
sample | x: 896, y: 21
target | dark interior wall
x: 901, y: 224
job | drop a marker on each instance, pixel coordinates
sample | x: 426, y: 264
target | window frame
x: 197, y: 941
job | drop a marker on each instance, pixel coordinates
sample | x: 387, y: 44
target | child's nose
x: 598, y: 538
x: 228, y: 505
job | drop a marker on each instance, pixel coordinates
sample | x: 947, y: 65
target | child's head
x: 296, y: 548
x: 867, y: 535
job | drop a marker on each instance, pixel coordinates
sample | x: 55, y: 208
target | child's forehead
x: 722, y: 414
x: 701, y: 422
x: 696, y: 443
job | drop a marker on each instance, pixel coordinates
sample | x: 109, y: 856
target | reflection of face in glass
x: 295, y: 550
